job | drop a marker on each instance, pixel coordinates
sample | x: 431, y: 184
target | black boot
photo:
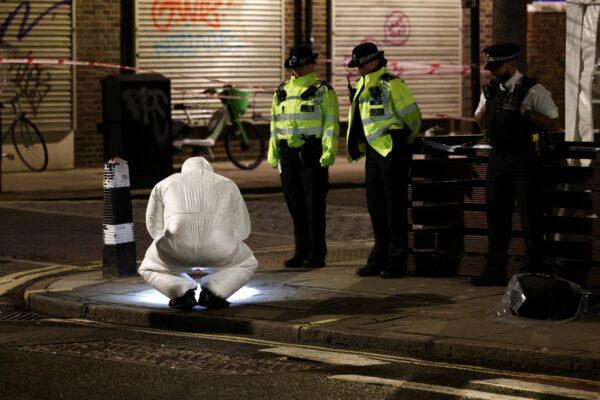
x: 489, y: 278
x: 295, y: 262
x: 209, y: 300
x: 368, y: 271
x: 185, y: 302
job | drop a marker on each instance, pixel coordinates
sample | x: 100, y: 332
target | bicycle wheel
x: 245, y: 156
x: 29, y: 144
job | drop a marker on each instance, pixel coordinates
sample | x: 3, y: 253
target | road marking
x: 377, y: 356
x: 424, y: 387
x: 538, y: 388
x: 12, y: 281
x: 324, y: 356
x: 12, y: 277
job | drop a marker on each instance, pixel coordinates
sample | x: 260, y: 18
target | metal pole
x: 475, y: 72
x: 308, y: 22
x: 1, y: 146
x: 298, y: 21
x: 127, y: 33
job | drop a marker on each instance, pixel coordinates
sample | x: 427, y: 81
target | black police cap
x: 363, y: 54
x: 498, y: 54
x: 299, y: 56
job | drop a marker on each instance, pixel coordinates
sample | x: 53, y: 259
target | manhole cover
x: 16, y: 316
x: 150, y: 354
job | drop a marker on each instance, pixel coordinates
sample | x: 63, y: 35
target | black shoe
x: 392, y: 273
x: 320, y: 263
x: 368, y: 271
x: 294, y: 262
x: 209, y: 300
x: 489, y: 278
x: 185, y: 302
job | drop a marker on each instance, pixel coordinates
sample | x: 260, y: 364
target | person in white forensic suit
x: 198, y: 219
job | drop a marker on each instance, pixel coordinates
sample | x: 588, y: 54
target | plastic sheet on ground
x: 514, y: 297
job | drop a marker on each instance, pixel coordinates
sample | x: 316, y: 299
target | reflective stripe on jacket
x: 386, y: 104
x: 293, y: 118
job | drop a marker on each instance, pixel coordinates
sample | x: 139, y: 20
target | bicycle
x: 27, y: 140
x: 244, y: 145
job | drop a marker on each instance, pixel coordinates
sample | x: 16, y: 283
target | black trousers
x: 305, y: 185
x: 387, y: 180
x: 511, y: 177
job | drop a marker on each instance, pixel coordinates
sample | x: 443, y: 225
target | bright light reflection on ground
x: 155, y: 298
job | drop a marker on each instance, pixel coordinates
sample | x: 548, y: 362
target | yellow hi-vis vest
x: 386, y: 104
x: 303, y: 107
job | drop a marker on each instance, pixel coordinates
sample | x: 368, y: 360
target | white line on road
x: 377, y: 356
x: 424, y: 387
x: 538, y: 388
x: 324, y: 356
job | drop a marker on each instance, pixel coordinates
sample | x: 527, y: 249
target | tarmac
x: 436, y: 318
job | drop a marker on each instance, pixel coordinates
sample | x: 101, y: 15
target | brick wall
x: 546, y: 38
x: 546, y: 51
x: 98, y: 39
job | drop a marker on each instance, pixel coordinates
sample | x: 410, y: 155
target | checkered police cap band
x: 503, y: 58
x: 296, y: 60
x: 366, y: 59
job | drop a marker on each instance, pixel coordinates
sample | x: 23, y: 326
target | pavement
x: 82, y: 183
x: 427, y: 318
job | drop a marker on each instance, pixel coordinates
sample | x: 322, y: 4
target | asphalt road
x: 78, y: 360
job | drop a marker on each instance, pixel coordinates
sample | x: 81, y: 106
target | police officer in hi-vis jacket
x: 383, y: 122
x: 303, y: 144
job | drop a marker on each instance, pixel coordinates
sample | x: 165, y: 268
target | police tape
x: 394, y: 66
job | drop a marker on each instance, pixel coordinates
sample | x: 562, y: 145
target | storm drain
x: 16, y: 316
x: 189, y: 359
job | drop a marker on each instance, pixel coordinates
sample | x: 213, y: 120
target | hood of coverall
x: 195, y: 164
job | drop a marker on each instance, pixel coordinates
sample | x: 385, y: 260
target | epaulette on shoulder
x: 386, y: 76
x: 327, y: 85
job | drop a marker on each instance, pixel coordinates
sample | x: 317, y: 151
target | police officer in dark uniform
x: 512, y: 108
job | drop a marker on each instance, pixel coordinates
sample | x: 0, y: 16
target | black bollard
x: 119, y: 256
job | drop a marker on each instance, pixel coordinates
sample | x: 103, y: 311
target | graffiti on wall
x: 149, y: 107
x: 166, y: 13
x: 33, y: 81
x: 194, y: 44
x: 396, y: 29
x: 28, y: 21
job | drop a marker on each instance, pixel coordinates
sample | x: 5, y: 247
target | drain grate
x: 16, y: 316
x: 150, y: 354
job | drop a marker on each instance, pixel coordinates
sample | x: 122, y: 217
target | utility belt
x: 311, y: 149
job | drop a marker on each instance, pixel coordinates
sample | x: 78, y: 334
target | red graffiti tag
x: 397, y: 29
x: 165, y: 13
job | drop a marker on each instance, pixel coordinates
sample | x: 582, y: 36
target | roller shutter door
x: 192, y: 43
x: 420, y: 32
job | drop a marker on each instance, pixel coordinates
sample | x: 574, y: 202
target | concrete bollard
x: 119, y: 255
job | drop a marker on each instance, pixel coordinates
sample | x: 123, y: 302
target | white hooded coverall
x: 198, y: 219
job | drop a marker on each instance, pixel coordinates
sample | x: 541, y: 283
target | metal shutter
x: 46, y: 33
x: 234, y: 41
x: 409, y: 31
